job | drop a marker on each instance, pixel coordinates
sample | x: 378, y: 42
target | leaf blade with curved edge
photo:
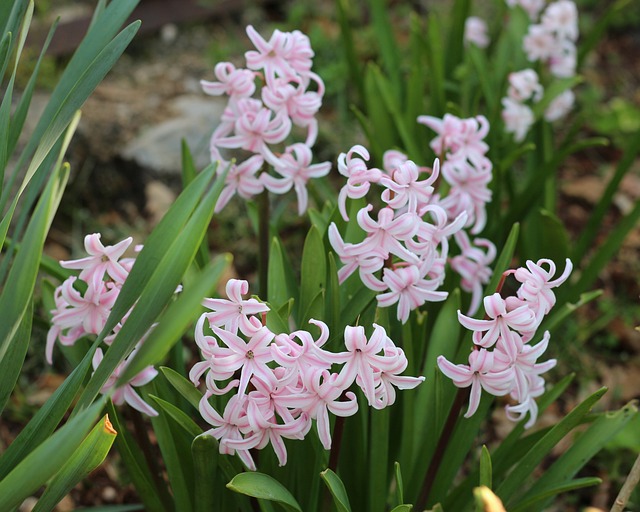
x: 47, y: 459
x: 87, y: 457
x: 182, y: 386
x: 336, y: 487
x: 177, y: 318
x: 261, y: 486
x: 527, y: 464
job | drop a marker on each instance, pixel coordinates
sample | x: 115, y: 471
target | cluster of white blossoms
x: 284, y: 383
x: 83, y: 304
x: 503, y: 361
x: 260, y: 130
x: 551, y: 41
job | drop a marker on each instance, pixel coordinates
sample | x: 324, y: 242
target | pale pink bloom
x: 560, y: 106
x: 537, y: 284
x: 410, y: 289
x: 265, y: 430
x: 475, y: 32
x: 323, y: 395
x: 391, y: 159
x: 502, y: 318
x: 126, y: 392
x: 242, y: 180
x: 295, y: 167
x: 354, y: 257
x: 299, y: 105
x: 359, y: 177
x: 563, y: 60
x: 532, y: 7
x: 208, y: 346
x: 561, y: 18
x: 228, y: 427
x: 307, y: 355
x: 517, y: 118
x: 236, y: 83
x: 468, y: 194
x: 299, y: 53
x: 251, y: 358
x: 76, y: 315
x: 525, y: 365
x: 365, y: 359
x: 272, y: 55
x: 234, y: 312
x: 479, y: 374
x: 524, y: 85
x: 432, y: 235
x: 388, y: 381
x: 528, y: 403
x: 385, y: 234
x: 473, y: 266
x: 539, y: 43
x: 460, y: 138
x: 255, y: 127
x: 403, y: 187
x: 101, y: 260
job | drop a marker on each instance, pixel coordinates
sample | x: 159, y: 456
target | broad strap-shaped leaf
x: 572, y: 485
x: 153, y: 493
x: 204, y: 451
x: 182, y: 386
x: 486, y: 473
x: 313, y: 277
x: 582, y: 450
x: 177, y: 318
x: 527, y: 464
x: 166, y: 271
x: 87, y: 457
x: 264, y: 487
x: 179, y: 416
x: 336, y: 487
x: 47, y: 459
x: 16, y: 294
x: 11, y: 363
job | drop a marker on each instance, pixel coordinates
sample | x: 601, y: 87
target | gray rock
x: 158, y: 148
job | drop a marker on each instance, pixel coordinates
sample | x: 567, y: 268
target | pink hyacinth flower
x: 101, y: 260
x: 359, y: 177
x: 126, y: 393
x: 236, y: 83
x: 234, y: 312
x: 296, y: 170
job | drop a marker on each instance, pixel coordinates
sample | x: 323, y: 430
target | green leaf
x: 155, y: 498
x: 436, y: 66
x: 176, y: 454
x: 204, y: 451
x: 278, y: 294
x: 399, y: 484
x: 178, y: 415
x: 555, y: 489
x: 486, y: 473
x: 403, y: 508
x: 546, y: 237
x: 11, y: 363
x: 460, y: 11
x: 175, y: 321
x: 504, y: 260
x: 18, y: 288
x: 527, y: 464
x: 581, y: 451
x: 336, y: 487
x: 182, y: 386
x: 264, y: 487
x: 88, y: 456
x: 169, y: 266
x: 47, y: 459
x: 388, y: 48
x: 313, y: 277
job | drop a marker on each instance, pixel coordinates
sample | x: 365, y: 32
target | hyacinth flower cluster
x: 552, y: 41
x: 284, y: 382
x: 277, y: 128
x: 467, y: 172
x: 83, y: 304
x: 476, y: 32
x: 504, y: 361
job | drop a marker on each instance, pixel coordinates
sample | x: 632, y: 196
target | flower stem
x: 336, y: 443
x: 441, y: 447
x: 263, y: 244
x: 627, y: 488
